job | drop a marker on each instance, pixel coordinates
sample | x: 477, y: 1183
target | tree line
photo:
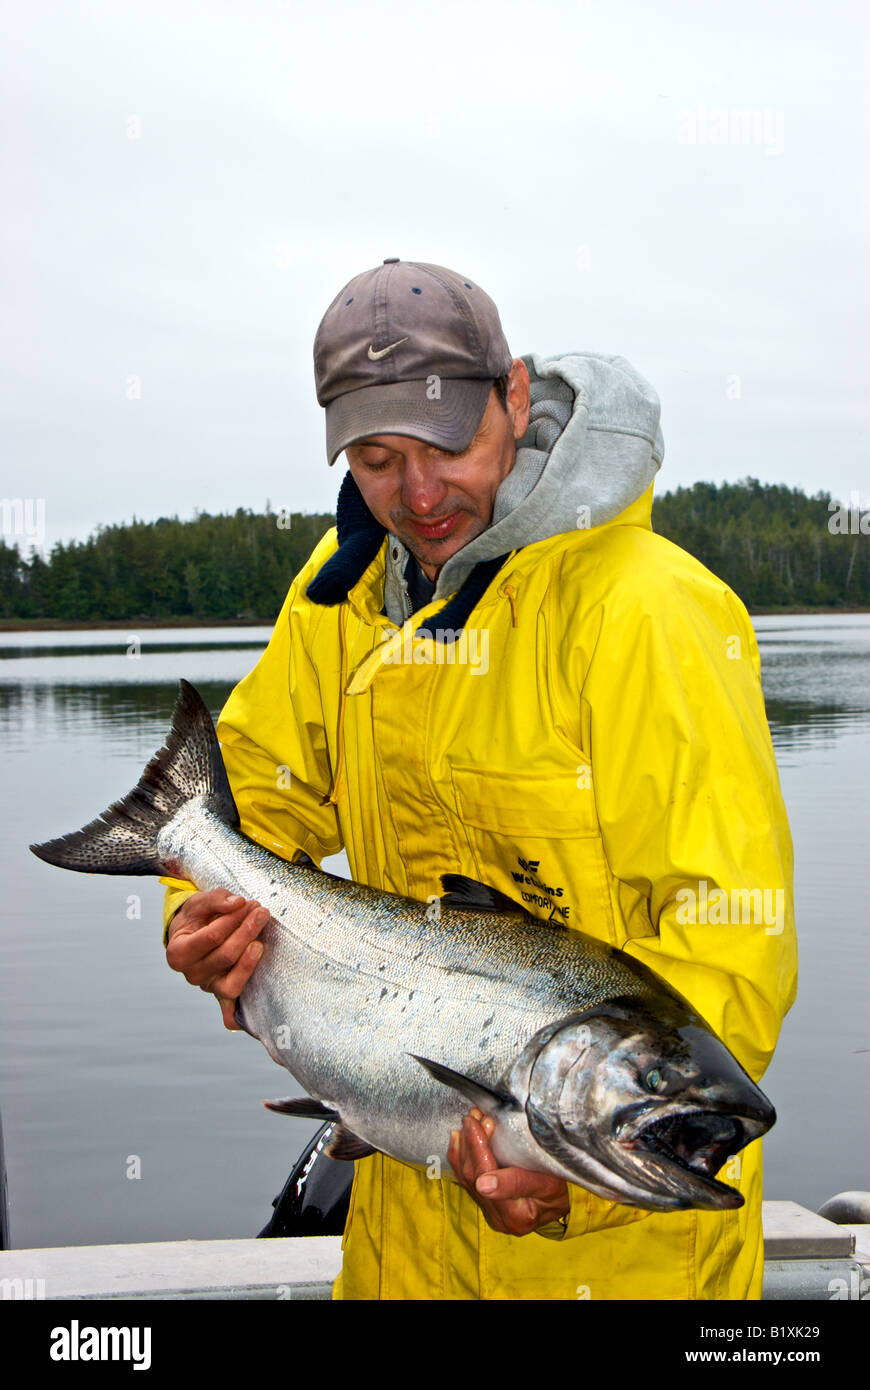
x: 213, y: 567
x: 774, y: 545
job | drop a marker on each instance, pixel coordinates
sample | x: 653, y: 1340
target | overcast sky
x: 187, y: 186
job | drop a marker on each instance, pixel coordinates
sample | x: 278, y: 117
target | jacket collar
x: 361, y: 538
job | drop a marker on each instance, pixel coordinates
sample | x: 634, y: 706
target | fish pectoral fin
x: 484, y: 1097
x: 468, y: 893
x: 302, y: 1106
x: 347, y: 1145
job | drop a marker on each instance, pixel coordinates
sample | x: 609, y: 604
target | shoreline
x: 133, y: 624
x: 130, y: 624
x: 798, y: 611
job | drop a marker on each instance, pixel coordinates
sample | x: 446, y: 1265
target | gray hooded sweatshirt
x: 593, y: 446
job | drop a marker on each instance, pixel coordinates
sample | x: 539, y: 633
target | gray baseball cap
x: 408, y: 349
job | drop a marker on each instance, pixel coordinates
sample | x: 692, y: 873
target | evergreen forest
x: 774, y: 545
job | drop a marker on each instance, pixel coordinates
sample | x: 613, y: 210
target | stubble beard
x: 426, y: 552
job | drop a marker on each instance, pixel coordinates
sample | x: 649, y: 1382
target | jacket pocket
x: 549, y: 805
x: 535, y: 836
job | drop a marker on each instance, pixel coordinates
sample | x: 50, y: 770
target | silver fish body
x: 396, y: 1015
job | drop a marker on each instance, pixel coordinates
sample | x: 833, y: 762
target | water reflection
x: 124, y: 714
x: 801, y: 725
x: 815, y: 673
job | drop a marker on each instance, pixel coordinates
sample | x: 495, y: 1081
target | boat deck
x: 806, y: 1258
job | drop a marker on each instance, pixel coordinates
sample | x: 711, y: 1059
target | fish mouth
x: 684, y: 1149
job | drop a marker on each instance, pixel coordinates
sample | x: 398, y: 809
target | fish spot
x: 383, y: 992
x: 488, y: 1021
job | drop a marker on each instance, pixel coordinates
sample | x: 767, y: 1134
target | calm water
x: 108, y: 1057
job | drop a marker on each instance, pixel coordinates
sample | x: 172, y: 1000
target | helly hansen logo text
x: 459, y: 647
x: 740, y: 907
x: 76, y: 1343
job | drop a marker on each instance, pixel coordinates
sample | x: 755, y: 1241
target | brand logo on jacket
x: 547, y: 893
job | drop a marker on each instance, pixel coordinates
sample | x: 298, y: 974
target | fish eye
x: 653, y: 1080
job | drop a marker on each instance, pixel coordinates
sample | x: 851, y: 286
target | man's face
x: 436, y: 502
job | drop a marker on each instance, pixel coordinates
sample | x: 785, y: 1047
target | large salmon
x: 395, y: 1014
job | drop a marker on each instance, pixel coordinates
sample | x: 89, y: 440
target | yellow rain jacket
x: 595, y: 746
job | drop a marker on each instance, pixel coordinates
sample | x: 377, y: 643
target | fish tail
x: 123, y: 840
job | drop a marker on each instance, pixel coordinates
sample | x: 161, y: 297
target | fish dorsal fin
x: 346, y: 1145
x: 484, y: 1097
x: 460, y: 891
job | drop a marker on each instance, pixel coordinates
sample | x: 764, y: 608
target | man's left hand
x: 514, y: 1201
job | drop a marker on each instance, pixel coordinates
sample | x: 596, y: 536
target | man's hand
x: 212, y: 941
x: 514, y: 1201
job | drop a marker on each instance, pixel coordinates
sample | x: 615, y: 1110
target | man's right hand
x: 212, y: 941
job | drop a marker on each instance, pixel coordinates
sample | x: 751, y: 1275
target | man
x: 493, y: 667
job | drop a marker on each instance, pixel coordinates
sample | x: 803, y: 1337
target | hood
x: 592, y: 448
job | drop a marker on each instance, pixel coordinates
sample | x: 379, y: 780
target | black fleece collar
x: 360, y: 537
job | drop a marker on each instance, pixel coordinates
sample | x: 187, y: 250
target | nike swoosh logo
x: 373, y: 356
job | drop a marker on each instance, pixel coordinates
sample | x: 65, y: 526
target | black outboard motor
x: 314, y: 1200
